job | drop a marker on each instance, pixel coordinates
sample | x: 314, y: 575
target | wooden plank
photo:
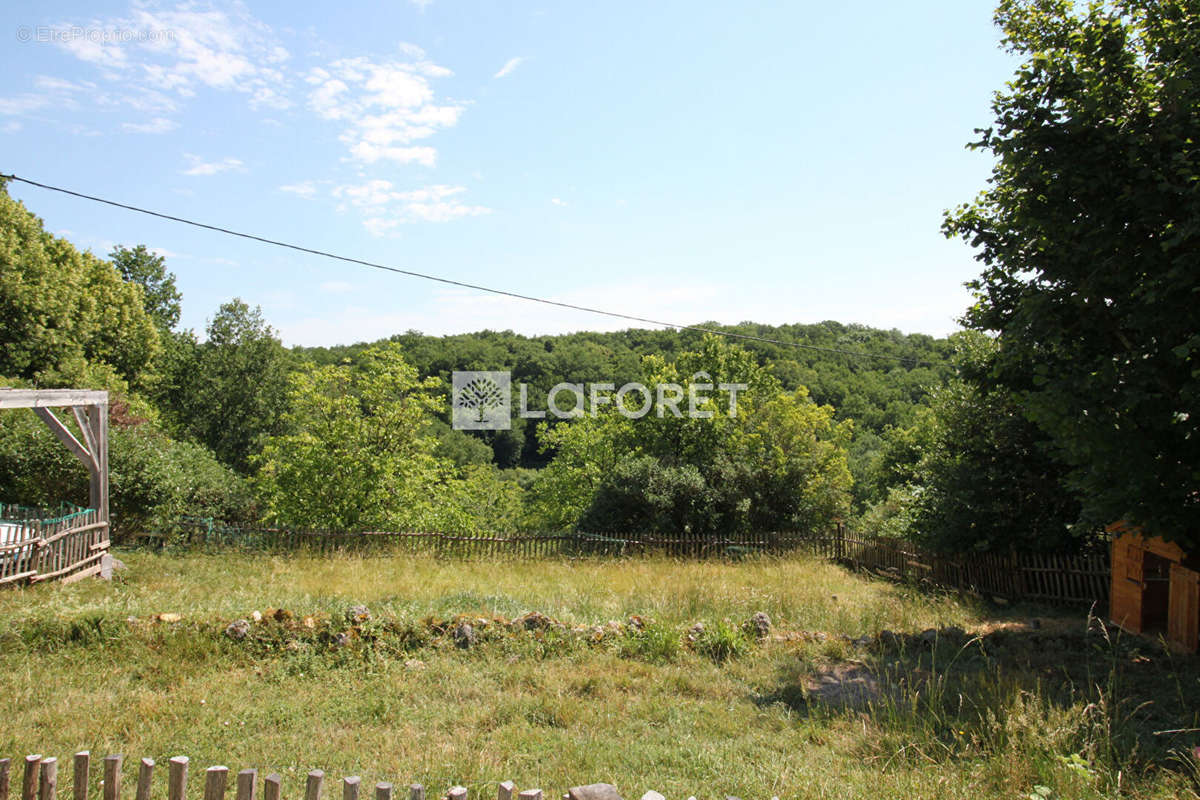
x: 312, y: 788
x: 29, y: 786
x: 79, y: 774
x: 271, y: 786
x: 112, y: 777
x: 68, y: 439
x: 177, y: 770
x: 145, y: 774
x: 247, y: 781
x: 215, y: 779
x: 50, y: 398
x: 48, y: 779
x: 1183, y: 608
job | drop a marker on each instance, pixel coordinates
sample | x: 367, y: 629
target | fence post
x: 145, y: 773
x: 112, y: 777
x: 177, y: 778
x: 350, y: 787
x: 79, y: 774
x: 48, y: 781
x: 271, y: 785
x: 214, y: 782
x: 4, y: 766
x: 312, y: 788
x: 30, y: 783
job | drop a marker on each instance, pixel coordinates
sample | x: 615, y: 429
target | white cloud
x: 23, y: 104
x: 303, y: 188
x: 156, y: 125
x: 11, y: 127
x: 558, y: 201
x: 201, y: 167
x: 508, y: 67
x: 385, y: 207
x: 385, y: 107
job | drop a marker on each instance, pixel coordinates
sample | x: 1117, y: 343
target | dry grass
x: 550, y: 713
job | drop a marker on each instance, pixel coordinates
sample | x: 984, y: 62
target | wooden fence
x: 40, y: 782
x: 71, y: 546
x: 1035, y: 577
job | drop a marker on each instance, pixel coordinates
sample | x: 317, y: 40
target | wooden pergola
x: 75, y: 546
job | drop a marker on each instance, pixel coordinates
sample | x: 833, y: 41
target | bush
x: 655, y: 643
x: 722, y: 642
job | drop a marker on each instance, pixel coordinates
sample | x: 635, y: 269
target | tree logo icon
x: 481, y: 401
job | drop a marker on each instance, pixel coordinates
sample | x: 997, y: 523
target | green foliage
x: 722, y: 641
x: 777, y: 463
x: 358, y: 455
x: 230, y: 391
x: 1087, y: 233
x: 64, y: 313
x: 153, y: 478
x: 655, y: 643
x: 148, y: 270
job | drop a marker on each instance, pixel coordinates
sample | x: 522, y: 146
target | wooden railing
x: 69, y: 547
x: 40, y: 782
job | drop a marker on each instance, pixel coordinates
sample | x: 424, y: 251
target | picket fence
x: 35, y: 546
x: 40, y: 782
x: 1074, y: 579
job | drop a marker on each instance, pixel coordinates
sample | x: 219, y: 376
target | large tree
x: 149, y: 270
x: 1088, y: 236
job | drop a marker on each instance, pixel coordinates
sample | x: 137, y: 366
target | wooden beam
x: 81, y: 420
x: 66, y: 437
x: 98, y: 487
x: 50, y: 398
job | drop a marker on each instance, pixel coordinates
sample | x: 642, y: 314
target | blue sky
x: 775, y: 162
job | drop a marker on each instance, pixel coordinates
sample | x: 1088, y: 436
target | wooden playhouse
x: 1155, y: 587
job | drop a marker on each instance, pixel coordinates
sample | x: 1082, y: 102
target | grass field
x: 1004, y: 711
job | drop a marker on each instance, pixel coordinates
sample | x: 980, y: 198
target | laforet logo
x: 482, y: 401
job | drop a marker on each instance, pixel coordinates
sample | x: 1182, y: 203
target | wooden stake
x: 383, y: 791
x: 416, y: 792
x: 112, y: 777
x: 79, y: 774
x: 247, y: 779
x: 531, y: 794
x: 5, y: 763
x: 457, y: 793
x: 312, y: 788
x: 271, y: 785
x: 145, y: 774
x: 215, y: 779
x: 177, y: 769
x: 350, y: 787
x: 505, y: 791
x: 48, y: 780
x: 30, y: 784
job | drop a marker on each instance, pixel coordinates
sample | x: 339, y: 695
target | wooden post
x: 457, y: 793
x: 177, y: 778
x: 383, y: 791
x: 312, y: 789
x: 271, y: 786
x: 350, y: 787
x: 48, y: 780
x: 505, y: 791
x: 112, y: 777
x: 30, y: 784
x: 5, y: 763
x: 246, y: 781
x: 215, y: 779
x: 79, y: 774
x: 416, y: 792
x: 145, y: 774
x: 530, y: 794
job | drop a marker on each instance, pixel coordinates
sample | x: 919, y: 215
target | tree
x: 1089, y: 236
x: 66, y: 317
x: 148, y: 270
x: 241, y: 391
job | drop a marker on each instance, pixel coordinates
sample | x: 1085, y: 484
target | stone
x: 695, y: 632
x: 953, y: 633
x: 256, y: 616
x: 929, y: 635
x: 889, y: 639
x: 170, y: 616
x: 464, y: 635
x: 653, y: 795
x: 760, y: 625
x: 593, y: 791
x: 534, y: 621
x: 238, y: 629
x: 342, y: 639
x: 358, y: 614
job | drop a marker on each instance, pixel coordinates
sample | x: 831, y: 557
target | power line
x: 463, y: 284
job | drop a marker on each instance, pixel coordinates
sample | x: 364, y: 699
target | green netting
x: 11, y: 512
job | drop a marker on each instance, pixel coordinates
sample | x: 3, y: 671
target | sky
x: 682, y: 161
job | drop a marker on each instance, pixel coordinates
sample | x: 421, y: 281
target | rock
x: 637, y: 624
x: 358, y: 614
x: 929, y: 636
x: 833, y: 597
x: 653, y: 795
x: 534, y: 621
x: 593, y: 791
x: 281, y: 615
x: 862, y: 641
x: 169, y: 617
x: 695, y: 632
x: 256, y: 616
x: 953, y: 633
x: 464, y: 635
x: 888, y: 639
x: 342, y: 639
x: 238, y: 629
x: 414, y: 664
x: 760, y: 625
x: 118, y: 564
